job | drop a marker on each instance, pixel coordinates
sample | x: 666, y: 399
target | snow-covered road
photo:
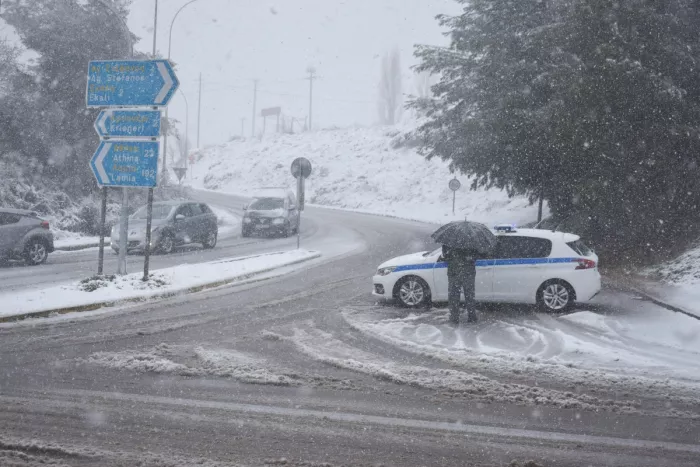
x: 306, y: 369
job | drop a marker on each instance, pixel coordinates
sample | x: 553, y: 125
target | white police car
x: 550, y: 269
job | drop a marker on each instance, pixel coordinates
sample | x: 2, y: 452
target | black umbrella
x: 467, y: 236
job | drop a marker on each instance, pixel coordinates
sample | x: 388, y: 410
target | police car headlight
x: 278, y: 221
x: 386, y: 271
x: 246, y: 220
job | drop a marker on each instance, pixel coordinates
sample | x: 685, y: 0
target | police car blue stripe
x: 410, y: 267
x: 489, y: 262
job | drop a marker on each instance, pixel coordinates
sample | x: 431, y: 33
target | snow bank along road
x: 305, y: 369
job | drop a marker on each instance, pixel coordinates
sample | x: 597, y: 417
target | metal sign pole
x: 147, y: 251
x: 300, y: 206
x: 123, y: 158
x: 103, y: 218
x: 123, y: 232
x: 454, y: 185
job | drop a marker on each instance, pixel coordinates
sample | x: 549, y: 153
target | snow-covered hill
x: 358, y: 168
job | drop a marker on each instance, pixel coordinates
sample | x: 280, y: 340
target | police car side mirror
x: 179, y: 217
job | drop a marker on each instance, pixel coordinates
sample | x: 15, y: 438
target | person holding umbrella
x: 462, y: 244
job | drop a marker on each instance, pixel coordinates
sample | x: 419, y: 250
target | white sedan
x: 551, y: 269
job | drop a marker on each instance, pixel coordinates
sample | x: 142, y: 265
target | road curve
x: 278, y: 373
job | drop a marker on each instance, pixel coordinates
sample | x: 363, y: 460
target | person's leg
x: 453, y: 296
x: 469, y: 292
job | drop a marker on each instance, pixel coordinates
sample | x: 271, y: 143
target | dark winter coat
x: 460, y: 262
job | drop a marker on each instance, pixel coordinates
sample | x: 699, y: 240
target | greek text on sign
x: 116, y: 83
x: 128, y: 124
x: 126, y: 163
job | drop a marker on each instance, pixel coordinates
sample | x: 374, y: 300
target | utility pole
x: 255, y: 103
x: 312, y: 76
x: 149, y: 208
x: 243, y: 128
x: 199, y: 108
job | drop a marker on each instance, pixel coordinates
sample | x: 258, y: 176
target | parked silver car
x: 175, y: 223
x: 24, y: 235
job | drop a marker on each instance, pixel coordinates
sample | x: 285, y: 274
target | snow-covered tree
x: 45, y: 118
x: 390, y: 101
x: 593, y: 103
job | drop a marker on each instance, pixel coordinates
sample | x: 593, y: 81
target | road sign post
x: 271, y: 112
x: 301, y: 170
x: 103, y: 219
x: 180, y: 173
x: 454, y: 186
x: 149, y: 222
x: 124, y: 159
x: 132, y: 124
x: 123, y: 232
x: 126, y: 163
x: 130, y: 83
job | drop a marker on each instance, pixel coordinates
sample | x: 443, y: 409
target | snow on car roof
x: 541, y: 233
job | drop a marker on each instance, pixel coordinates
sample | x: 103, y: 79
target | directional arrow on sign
x: 116, y: 83
x: 113, y: 123
x: 126, y: 163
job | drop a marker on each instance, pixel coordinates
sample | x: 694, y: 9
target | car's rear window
x: 580, y: 248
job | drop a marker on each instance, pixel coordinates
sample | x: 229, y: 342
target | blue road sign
x: 128, y: 124
x: 126, y: 163
x: 117, y: 83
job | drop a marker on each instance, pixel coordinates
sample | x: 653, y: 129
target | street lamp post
x: 187, y: 123
x: 170, y: 43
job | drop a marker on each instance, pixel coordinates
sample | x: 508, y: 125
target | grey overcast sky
x: 231, y: 42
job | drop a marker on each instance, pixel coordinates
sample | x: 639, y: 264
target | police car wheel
x: 412, y: 292
x: 556, y: 296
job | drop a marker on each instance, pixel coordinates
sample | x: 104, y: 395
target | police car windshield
x: 267, y: 204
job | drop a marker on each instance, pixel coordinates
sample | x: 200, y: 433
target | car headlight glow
x: 386, y: 271
x: 278, y: 221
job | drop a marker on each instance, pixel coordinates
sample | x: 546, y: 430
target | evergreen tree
x: 45, y: 118
x: 591, y: 103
